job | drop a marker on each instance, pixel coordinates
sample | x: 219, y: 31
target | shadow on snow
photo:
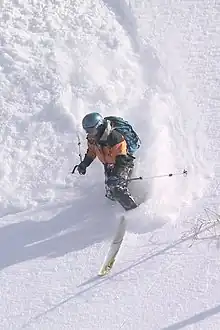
x: 194, y: 319
x: 74, y: 228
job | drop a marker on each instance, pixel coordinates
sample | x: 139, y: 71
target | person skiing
x: 110, y: 146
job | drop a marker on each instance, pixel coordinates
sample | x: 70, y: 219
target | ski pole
x: 79, y: 146
x: 75, y: 167
x: 80, y: 154
x: 184, y: 173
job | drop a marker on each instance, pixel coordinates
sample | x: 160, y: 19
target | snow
x: 157, y: 65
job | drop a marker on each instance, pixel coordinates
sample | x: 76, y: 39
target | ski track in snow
x: 157, y: 65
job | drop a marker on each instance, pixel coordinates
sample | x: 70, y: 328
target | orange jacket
x: 107, y: 153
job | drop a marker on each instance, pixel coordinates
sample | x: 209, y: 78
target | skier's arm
x: 90, y: 154
x: 87, y: 160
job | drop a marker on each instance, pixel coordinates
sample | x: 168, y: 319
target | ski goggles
x: 94, y: 129
x: 91, y: 130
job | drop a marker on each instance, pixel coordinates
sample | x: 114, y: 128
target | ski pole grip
x: 74, y: 169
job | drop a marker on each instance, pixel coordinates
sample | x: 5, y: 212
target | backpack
x: 131, y: 137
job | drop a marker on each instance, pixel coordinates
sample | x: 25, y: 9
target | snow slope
x: 157, y: 65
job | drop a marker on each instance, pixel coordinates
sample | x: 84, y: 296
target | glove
x: 81, y: 168
x: 112, y: 181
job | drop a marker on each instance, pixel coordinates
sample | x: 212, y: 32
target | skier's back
x: 111, y: 148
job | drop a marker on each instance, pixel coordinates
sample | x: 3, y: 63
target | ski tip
x: 107, y: 268
x: 103, y: 273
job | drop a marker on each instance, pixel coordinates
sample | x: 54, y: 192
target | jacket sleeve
x: 119, y: 151
x: 117, y: 143
x: 120, y: 148
x: 90, y: 154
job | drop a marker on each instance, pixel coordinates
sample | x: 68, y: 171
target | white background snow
x: 155, y: 63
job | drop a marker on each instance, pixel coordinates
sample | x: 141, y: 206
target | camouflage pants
x: 120, y: 191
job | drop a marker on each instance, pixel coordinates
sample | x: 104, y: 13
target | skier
x: 110, y: 146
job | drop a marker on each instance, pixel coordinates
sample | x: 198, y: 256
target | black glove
x: 81, y: 168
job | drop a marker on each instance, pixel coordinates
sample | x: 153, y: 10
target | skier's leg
x: 123, y: 196
x: 121, y: 192
x: 108, y: 192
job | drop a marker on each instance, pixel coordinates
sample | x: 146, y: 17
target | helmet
x: 91, y: 122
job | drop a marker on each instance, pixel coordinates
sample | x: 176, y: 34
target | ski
x: 114, y: 248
